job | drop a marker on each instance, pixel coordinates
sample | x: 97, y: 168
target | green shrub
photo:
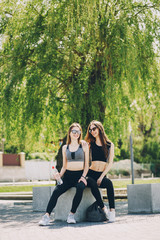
x: 11, y: 149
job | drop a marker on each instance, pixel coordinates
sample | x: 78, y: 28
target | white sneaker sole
x: 111, y: 221
x: 73, y: 222
x: 43, y: 224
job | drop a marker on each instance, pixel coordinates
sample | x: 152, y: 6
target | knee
x: 80, y: 186
x: 56, y: 192
x: 91, y: 183
x: 108, y: 183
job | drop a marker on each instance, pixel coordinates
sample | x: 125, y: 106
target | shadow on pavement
x: 19, y: 216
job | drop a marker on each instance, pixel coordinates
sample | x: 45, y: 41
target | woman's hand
x: 82, y: 179
x: 84, y: 143
x: 56, y: 176
x: 99, y: 180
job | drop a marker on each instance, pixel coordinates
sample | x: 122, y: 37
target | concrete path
x: 19, y: 222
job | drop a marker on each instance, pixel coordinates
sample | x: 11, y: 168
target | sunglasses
x: 93, y: 129
x: 76, y: 131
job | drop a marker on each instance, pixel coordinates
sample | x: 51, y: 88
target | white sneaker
x: 70, y: 218
x: 44, y: 221
x: 112, y: 216
x: 105, y: 209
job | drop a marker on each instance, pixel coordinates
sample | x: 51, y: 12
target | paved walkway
x: 19, y: 222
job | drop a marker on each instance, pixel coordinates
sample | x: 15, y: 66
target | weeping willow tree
x: 65, y: 61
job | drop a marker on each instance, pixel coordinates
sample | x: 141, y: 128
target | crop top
x: 77, y: 156
x: 98, y: 153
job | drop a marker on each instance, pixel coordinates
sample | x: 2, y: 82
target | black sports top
x: 98, y: 153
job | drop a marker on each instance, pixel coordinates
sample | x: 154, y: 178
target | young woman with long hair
x: 102, y: 154
x: 74, y: 171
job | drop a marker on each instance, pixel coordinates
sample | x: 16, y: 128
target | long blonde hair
x: 70, y: 128
x: 103, y: 137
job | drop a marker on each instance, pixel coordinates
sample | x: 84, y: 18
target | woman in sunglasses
x: 74, y: 171
x: 102, y: 154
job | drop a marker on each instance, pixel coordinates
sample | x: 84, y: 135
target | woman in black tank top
x: 102, y: 154
x: 74, y: 171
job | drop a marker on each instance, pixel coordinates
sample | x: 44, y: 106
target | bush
x: 149, y: 153
x: 11, y: 149
x: 155, y: 168
x: 42, y: 156
x: 121, y: 171
x: 124, y: 172
x: 124, y: 154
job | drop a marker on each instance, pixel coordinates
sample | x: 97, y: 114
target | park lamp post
x: 131, y: 151
x: 3, y: 140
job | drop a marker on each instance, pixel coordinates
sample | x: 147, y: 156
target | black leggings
x: 106, y: 183
x: 91, y: 183
x: 70, y: 180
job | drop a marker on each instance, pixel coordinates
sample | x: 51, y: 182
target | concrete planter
x: 41, y: 196
x: 144, y: 198
x: 64, y: 204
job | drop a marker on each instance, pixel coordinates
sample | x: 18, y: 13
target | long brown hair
x: 70, y: 128
x: 103, y: 137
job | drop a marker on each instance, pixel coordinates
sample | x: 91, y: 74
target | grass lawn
x: 120, y: 183
x: 23, y: 188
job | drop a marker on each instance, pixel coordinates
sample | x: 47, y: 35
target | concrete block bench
x: 41, y: 196
x: 144, y: 198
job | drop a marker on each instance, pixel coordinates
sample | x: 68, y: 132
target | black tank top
x: 98, y: 153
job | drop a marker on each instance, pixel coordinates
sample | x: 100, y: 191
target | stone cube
x: 143, y: 198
